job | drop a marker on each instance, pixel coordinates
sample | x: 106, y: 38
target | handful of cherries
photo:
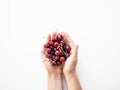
x: 57, y: 50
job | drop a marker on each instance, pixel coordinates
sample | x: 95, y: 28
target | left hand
x: 50, y: 69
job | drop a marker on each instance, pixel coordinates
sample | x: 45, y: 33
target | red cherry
x: 58, y: 63
x: 51, y: 42
x: 62, y: 53
x: 56, y: 44
x: 62, y: 58
x: 53, y: 63
x: 48, y: 50
x: 48, y: 56
x: 57, y: 58
x: 54, y: 49
x: 58, y: 47
x: 46, y: 45
x: 51, y: 47
x: 54, y: 38
x: 62, y: 42
x: 57, y: 53
x: 68, y: 48
x: 67, y: 55
x: 59, y: 37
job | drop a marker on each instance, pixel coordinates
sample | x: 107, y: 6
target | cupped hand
x: 70, y: 63
x: 50, y: 69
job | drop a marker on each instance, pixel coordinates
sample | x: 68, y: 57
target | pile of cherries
x: 57, y: 50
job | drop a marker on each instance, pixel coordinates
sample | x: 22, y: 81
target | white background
x: 93, y: 24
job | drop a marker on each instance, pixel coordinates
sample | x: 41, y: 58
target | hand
x: 70, y: 63
x: 55, y: 72
x: 50, y: 69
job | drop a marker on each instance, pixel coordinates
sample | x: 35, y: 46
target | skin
x: 68, y: 69
x: 54, y: 73
x: 70, y: 66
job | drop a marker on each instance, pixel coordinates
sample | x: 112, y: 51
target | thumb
x: 75, y: 52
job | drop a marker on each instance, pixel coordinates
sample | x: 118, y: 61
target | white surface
x: 93, y: 24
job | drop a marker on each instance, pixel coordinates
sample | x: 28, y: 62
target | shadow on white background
x: 93, y: 24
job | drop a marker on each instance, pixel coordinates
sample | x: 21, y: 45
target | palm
x: 51, y: 68
x: 46, y: 61
x: 72, y: 60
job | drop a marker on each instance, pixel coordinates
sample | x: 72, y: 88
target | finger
x: 54, y: 34
x: 43, y: 54
x: 69, y: 39
x: 75, y: 52
x: 48, y: 38
x: 63, y: 34
x: 66, y: 38
x: 42, y: 49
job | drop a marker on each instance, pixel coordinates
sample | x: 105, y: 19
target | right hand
x: 50, y: 69
x: 70, y: 63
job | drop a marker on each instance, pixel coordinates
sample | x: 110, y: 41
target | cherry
x: 58, y: 47
x: 48, y: 56
x: 59, y: 37
x: 67, y: 55
x: 55, y: 49
x: 62, y: 53
x: 56, y: 44
x: 57, y: 58
x: 53, y: 63
x: 58, y: 63
x: 51, y: 47
x: 62, y: 58
x: 54, y: 38
x: 57, y: 53
x: 48, y: 50
x: 46, y: 45
x: 62, y: 42
x: 64, y: 47
x: 68, y: 48
x: 51, y: 42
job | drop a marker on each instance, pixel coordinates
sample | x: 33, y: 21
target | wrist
x: 69, y: 71
x: 55, y: 76
x: 55, y: 80
x: 55, y: 72
x: 69, y: 74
